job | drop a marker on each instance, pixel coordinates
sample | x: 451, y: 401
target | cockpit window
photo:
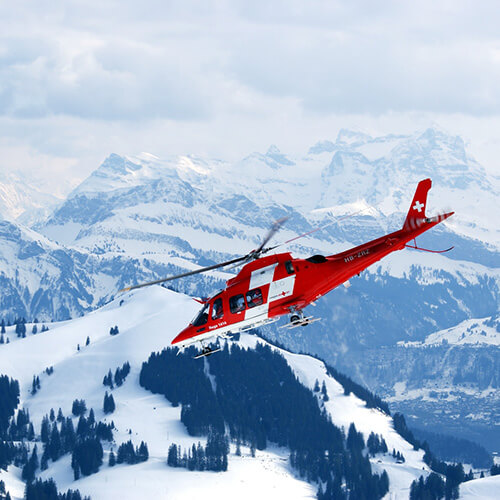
x: 217, y: 311
x: 289, y: 267
x: 202, y: 316
x: 254, y: 297
x: 237, y: 303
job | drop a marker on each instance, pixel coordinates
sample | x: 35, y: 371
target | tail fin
x: 416, y: 214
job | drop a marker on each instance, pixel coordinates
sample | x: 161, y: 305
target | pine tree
x: 108, y: 379
x: 34, y: 386
x: 34, y: 330
x: 76, y: 471
x: 70, y: 435
x: 383, y: 445
x: 355, y: 441
x: 126, y: 453
x: 20, y: 328
x: 324, y: 393
x: 45, y: 429
x: 55, y: 444
x: 87, y: 342
x: 45, y: 459
x: 173, y: 456
x: 109, y: 403
x: 79, y: 407
x: 60, y: 416
x: 29, y: 469
x: 200, y: 456
x: 143, y: 454
x: 87, y: 456
x: 118, y: 377
x: 52, y: 415
x: 112, y: 459
x: 31, y: 432
x: 82, y: 428
x: 2, y: 326
x: 2, y: 340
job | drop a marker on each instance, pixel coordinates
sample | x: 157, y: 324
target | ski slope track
x: 148, y: 319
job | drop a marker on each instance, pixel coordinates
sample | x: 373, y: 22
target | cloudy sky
x: 83, y: 78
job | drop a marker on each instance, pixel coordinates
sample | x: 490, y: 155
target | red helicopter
x: 268, y: 287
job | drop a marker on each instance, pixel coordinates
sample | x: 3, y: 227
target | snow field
x: 487, y: 488
x: 347, y: 409
x: 147, y: 321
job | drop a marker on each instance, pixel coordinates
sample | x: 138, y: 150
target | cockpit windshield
x: 202, y: 317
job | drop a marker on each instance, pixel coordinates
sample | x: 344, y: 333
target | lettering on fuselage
x: 217, y: 325
x: 361, y: 253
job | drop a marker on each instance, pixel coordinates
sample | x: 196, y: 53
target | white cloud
x: 79, y: 80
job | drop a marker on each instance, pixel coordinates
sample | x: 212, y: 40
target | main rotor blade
x: 254, y: 254
x: 277, y: 225
x: 183, y: 275
x: 319, y: 228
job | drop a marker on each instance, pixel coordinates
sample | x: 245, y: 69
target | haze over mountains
x: 140, y: 218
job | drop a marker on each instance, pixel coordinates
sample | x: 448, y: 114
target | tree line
x: 285, y: 413
x: 211, y: 457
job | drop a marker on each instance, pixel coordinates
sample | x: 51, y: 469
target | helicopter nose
x: 184, y: 335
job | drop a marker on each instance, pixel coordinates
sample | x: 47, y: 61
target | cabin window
x: 217, y: 311
x: 202, y: 316
x: 289, y: 267
x: 254, y: 297
x: 237, y: 303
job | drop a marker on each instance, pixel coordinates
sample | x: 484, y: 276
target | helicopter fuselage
x: 276, y: 285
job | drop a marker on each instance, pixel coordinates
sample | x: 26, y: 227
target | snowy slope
x: 13, y: 482
x: 487, y: 488
x: 43, y: 279
x: 148, y: 319
x: 142, y: 319
x: 347, y: 409
x: 482, y: 331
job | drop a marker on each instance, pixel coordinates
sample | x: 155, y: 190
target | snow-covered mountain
x: 140, y: 218
x: 25, y: 200
x: 148, y: 320
x: 448, y: 383
x: 381, y: 172
x: 477, y: 332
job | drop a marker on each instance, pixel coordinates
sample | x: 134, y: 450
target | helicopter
x: 270, y: 286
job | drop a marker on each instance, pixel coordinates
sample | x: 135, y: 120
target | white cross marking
x: 418, y: 206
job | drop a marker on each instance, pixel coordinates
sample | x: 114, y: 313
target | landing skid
x: 300, y: 322
x: 207, y: 351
